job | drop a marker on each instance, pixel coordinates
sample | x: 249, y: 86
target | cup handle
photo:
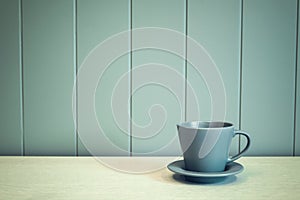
x: 233, y: 158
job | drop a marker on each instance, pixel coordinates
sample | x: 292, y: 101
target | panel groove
x: 130, y: 79
x: 296, y: 65
x: 241, y: 73
x: 185, y: 62
x: 21, y: 77
x: 75, y: 76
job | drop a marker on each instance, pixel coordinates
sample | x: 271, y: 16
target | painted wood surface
x: 156, y: 105
x: 97, y: 21
x: 10, y: 79
x: 48, y: 77
x: 59, y: 34
x: 215, y: 25
x: 269, y: 43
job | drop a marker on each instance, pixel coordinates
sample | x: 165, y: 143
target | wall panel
x: 268, y: 75
x: 48, y: 77
x: 216, y: 26
x: 99, y: 20
x: 58, y: 35
x: 155, y: 108
x: 10, y: 82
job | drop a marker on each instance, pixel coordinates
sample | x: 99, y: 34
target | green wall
x: 11, y: 134
x: 44, y: 43
x: 268, y: 74
x: 48, y: 77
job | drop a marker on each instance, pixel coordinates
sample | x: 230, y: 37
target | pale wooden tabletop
x: 86, y: 178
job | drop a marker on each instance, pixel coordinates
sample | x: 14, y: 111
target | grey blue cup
x: 205, y: 145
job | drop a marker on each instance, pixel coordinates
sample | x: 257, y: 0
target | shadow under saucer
x: 204, y: 181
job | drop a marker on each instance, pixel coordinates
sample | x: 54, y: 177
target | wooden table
x: 86, y: 178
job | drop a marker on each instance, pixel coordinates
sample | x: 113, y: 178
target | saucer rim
x: 235, y: 168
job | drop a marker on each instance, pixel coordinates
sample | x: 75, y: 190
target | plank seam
x: 296, y: 71
x: 21, y: 39
x: 130, y: 80
x: 241, y: 71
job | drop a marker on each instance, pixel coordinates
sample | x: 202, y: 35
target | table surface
x: 101, y: 178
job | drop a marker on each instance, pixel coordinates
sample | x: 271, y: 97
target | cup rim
x: 206, y: 125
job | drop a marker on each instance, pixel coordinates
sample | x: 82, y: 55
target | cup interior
x: 205, y: 125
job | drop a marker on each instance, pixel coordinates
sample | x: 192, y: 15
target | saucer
x: 231, y: 169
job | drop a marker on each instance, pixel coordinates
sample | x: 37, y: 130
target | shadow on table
x: 182, y: 179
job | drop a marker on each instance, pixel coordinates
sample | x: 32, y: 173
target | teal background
x: 254, y: 43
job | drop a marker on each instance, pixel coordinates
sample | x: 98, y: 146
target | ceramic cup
x: 205, y: 145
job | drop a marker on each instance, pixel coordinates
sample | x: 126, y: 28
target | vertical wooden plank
x: 155, y: 109
x: 97, y: 21
x: 48, y: 77
x: 10, y: 83
x: 216, y: 26
x: 268, y: 75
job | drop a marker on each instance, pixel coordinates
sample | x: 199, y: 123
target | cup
x: 205, y: 145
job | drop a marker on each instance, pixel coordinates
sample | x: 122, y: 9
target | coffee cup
x: 206, y: 145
